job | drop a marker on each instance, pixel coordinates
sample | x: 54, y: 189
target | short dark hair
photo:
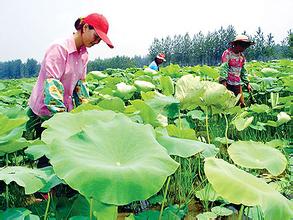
x: 78, y: 24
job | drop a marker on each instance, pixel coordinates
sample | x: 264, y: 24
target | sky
x: 29, y: 26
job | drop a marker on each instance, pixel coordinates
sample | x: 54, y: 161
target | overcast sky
x: 29, y: 26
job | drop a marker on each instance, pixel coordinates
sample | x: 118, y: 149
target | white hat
x: 242, y: 38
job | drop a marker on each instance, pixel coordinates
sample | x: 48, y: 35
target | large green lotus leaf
x: 188, y: 90
x: 118, y: 161
x: 31, y: 179
x: 257, y: 155
x: 217, y: 96
x: 167, y: 85
x: 66, y: 124
x: 181, y: 147
x: 144, y: 85
x: 7, y: 124
x: 240, y: 187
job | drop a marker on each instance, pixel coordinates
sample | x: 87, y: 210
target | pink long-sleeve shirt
x: 63, y: 62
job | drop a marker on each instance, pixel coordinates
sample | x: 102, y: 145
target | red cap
x: 101, y: 26
x: 161, y: 56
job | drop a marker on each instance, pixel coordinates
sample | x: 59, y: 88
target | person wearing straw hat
x: 159, y: 59
x: 232, y: 69
x: 60, y: 85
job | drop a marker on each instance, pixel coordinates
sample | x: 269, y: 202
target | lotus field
x: 175, y: 140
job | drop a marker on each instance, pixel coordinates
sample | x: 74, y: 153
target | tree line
x: 207, y: 49
x: 184, y: 50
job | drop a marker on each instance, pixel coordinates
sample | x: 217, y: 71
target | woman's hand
x: 249, y: 87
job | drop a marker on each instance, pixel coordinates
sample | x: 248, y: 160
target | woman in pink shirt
x: 60, y: 85
x: 232, y: 70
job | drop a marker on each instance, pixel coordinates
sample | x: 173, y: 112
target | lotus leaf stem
x: 47, y: 207
x: 165, y: 195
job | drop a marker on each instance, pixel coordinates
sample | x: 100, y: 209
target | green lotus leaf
x: 8, y: 124
x: 188, y: 90
x: 81, y: 207
x: 51, y: 180
x: 217, y: 96
x: 260, y: 108
x: 257, y: 155
x: 97, y: 75
x: 2, y: 86
x: 181, y: 133
x: 254, y: 213
x: 269, y: 72
x: 15, y: 133
x: 86, y: 107
x: 181, y: 147
x: 167, y: 85
x: 193, y: 92
x: 242, y: 123
x: 144, y: 85
x: 223, y: 140
x: 206, y: 216
x: 113, y: 103
x: 283, y: 118
x: 207, y: 194
x: 240, y: 187
x: 118, y: 161
x: 197, y: 114
x: 37, y: 149
x: 278, y: 143
x: 208, y: 71
x: 31, y: 179
x: 158, y: 101
x: 67, y: 124
x: 18, y: 214
x: 124, y: 90
x: 221, y: 211
x: 146, y: 112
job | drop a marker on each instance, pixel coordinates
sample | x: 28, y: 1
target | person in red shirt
x: 232, y: 69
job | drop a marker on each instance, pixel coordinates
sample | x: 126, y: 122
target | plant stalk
x: 226, y: 130
x: 91, y: 208
x: 207, y: 126
x: 48, y: 206
x: 165, y: 195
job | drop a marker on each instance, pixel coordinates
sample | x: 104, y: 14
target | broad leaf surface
x: 257, y: 155
x: 240, y: 187
x: 118, y: 161
x: 31, y: 179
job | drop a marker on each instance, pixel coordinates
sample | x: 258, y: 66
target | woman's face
x: 239, y: 47
x: 90, y: 37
